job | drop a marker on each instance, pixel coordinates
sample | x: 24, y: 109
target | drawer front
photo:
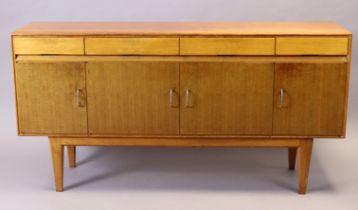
x: 132, y: 46
x: 49, y: 46
x: 311, y: 46
x: 227, y: 46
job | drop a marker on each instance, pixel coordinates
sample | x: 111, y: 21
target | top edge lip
x: 181, y: 28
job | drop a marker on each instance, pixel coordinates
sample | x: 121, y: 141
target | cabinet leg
x: 71, y: 152
x: 292, y: 154
x: 305, y: 152
x: 57, y: 161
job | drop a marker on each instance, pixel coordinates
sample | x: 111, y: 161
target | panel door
x: 226, y: 98
x: 133, y: 98
x: 51, y: 98
x: 309, y: 99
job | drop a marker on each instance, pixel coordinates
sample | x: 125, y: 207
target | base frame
x: 301, y: 147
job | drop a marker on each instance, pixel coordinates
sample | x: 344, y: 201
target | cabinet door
x: 51, y: 98
x: 309, y: 99
x: 226, y: 98
x: 133, y: 98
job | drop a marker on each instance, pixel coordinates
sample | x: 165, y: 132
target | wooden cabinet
x: 182, y: 85
x: 226, y: 98
x: 50, y: 98
x: 133, y: 98
x: 309, y: 99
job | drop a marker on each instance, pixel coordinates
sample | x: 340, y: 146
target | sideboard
x: 182, y: 84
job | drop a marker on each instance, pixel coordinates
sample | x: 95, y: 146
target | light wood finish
x: 46, y: 96
x: 305, y: 151
x: 132, y: 46
x: 57, y: 160
x: 311, y: 45
x: 209, y: 136
x: 304, y: 145
x: 226, y: 98
x: 132, y: 98
x: 71, y: 152
x: 179, y: 142
x: 250, y: 84
x: 182, y: 28
x: 183, y: 59
x: 313, y: 99
x: 49, y: 45
x: 227, y: 46
x: 292, y: 154
x: 348, y: 65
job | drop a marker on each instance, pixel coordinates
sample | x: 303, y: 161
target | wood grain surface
x: 312, y: 100
x: 46, y: 95
x: 49, y: 46
x: 226, y: 98
x: 132, y: 46
x: 182, y: 28
x: 132, y: 98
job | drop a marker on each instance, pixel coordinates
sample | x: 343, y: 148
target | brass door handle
x: 173, y: 102
x: 78, y: 98
x: 187, y: 98
x: 282, y: 95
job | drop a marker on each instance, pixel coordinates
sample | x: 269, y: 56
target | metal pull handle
x: 282, y: 95
x: 187, y: 98
x: 172, y: 99
x: 78, y: 98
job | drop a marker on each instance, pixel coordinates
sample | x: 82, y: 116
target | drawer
x: 311, y: 46
x: 132, y: 46
x: 227, y: 46
x: 48, y: 46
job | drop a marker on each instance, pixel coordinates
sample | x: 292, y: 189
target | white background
x: 155, y: 178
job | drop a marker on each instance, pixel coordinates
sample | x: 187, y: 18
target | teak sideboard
x: 182, y: 84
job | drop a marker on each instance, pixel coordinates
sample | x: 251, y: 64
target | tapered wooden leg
x: 57, y: 161
x: 292, y: 154
x: 305, y: 152
x: 71, y: 152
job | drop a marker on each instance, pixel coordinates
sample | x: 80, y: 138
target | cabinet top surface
x: 181, y: 28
